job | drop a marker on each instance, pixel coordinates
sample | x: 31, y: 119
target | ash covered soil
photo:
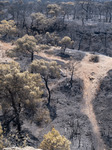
x: 83, y: 112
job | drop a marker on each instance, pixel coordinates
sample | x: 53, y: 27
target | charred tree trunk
x: 71, y: 79
x: 18, y: 123
x: 48, y: 90
x: 90, y: 41
x: 32, y: 56
x: 80, y: 41
x: 105, y: 39
x: 16, y: 111
x: 110, y: 17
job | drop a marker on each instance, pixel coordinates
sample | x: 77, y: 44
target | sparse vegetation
x: 94, y: 59
x: 53, y: 57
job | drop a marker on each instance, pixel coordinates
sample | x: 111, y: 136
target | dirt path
x: 90, y: 89
x: 51, y: 57
x: 91, y: 74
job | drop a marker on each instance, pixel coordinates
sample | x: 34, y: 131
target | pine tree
x: 54, y: 141
x: 20, y: 93
x: 66, y: 42
x: 47, y: 70
x: 8, y: 28
x: 26, y: 44
x: 53, y: 9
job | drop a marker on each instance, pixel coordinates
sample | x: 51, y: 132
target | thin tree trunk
x: 105, y: 39
x: 18, y: 124
x: 49, y: 92
x: 110, y: 18
x: 71, y: 79
x: 16, y: 113
x: 80, y: 42
x: 32, y: 56
x: 64, y: 48
x: 90, y: 42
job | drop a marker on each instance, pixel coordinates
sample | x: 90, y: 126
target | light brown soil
x: 91, y: 73
x: 51, y: 57
x: 3, y: 48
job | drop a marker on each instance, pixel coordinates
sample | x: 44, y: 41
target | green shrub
x: 54, y: 141
x: 94, y: 59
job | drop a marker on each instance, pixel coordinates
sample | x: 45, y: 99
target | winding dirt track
x: 91, y: 74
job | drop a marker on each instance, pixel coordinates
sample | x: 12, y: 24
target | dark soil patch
x: 63, y: 55
x: 103, y: 109
x: 94, y: 59
x: 69, y: 120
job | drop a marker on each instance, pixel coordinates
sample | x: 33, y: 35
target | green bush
x: 54, y: 141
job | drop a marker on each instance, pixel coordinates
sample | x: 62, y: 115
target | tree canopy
x: 20, y: 93
x: 39, y: 21
x: 66, y: 42
x: 41, y: 24
x: 8, y: 28
x: 26, y: 44
x: 47, y: 70
x: 53, y: 9
x: 54, y: 141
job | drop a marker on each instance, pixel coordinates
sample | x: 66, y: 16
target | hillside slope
x: 92, y: 74
x: 74, y: 110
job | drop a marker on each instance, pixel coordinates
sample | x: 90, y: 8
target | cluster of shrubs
x: 52, y: 141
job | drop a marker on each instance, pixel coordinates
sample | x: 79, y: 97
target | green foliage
x: 42, y: 117
x: 8, y: 28
x: 54, y: 141
x: 53, y: 9
x: 52, y: 38
x: 66, y: 42
x: 39, y: 20
x: 39, y: 38
x: 45, y: 68
x: 1, y: 137
x: 20, y: 93
x: 26, y: 44
x: 48, y: 38
x: 41, y: 23
x: 38, y: 17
